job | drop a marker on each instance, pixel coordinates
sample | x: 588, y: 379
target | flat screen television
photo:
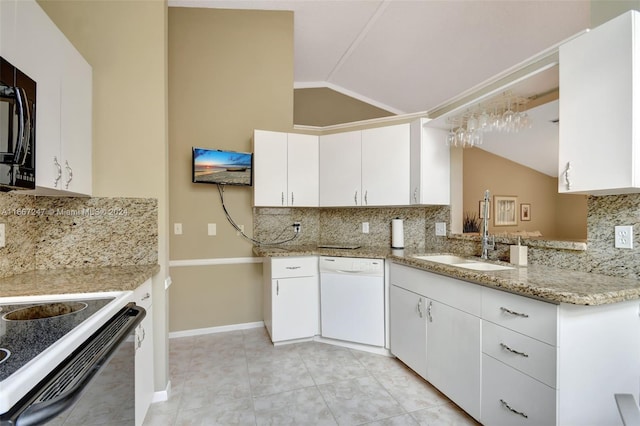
x: 222, y: 167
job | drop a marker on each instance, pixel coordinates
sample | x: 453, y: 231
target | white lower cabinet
x: 408, y: 328
x: 432, y: 329
x: 508, y: 359
x: 453, y: 356
x: 291, y: 298
x: 144, y: 387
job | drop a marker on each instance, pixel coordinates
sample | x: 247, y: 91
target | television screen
x: 222, y: 167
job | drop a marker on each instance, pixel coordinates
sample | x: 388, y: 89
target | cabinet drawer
x: 512, y: 398
x: 142, y: 296
x: 530, y: 317
x: 290, y: 267
x: 532, y: 357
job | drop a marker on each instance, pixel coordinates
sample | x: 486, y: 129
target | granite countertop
x: 77, y: 280
x: 540, y: 282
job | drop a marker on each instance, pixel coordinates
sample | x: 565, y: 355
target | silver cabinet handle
x: 69, y: 174
x: 355, y: 197
x: 505, y: 405
x: 509, y: 311
x: 282, y: 198
x: 291, y: 198
x: 59, y: 176
x: 293, y: 267
x: 277, y: 288
x: 567, y: 180
x: 366, y: 202
x: 420, y: 307
x: 146, y: 296
x: 513, y: 351
x: 429, y: 311
x: 415, y: 195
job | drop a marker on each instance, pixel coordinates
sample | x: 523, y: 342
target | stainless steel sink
x: 461, y: 262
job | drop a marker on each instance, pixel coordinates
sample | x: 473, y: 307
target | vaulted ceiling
x: 408, y: 56
x: 412, y: 55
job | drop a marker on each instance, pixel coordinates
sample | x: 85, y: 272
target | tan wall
x: 230, y: 72
x: 325, y: 107
x: 483, y: 170
x: 125, y: 43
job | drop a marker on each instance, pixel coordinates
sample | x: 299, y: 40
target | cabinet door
x: 598, y: 152
x: 7, y: 29
x: 294, y: 308
x: 408, y: 328
x: 40, y: 55
x: 454, y: 355
x: 303, y: 162
x: 430, y: 165
x: 386, y: 166
x: 144, y: 366
x: 270, y: 168
x: 76, y: 122
x: 340, y: 169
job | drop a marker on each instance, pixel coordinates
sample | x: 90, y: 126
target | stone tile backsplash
x: 62, y: 232
x: 343, y: 225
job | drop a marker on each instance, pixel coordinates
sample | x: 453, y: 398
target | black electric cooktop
x: 27, y: 329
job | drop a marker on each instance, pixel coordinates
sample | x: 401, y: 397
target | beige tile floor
x: 240, y: 378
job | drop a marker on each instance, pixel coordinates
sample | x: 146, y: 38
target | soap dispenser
x: 518, y: 254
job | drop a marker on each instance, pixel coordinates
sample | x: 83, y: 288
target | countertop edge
x: 77, y: 280
x: 534, y: 281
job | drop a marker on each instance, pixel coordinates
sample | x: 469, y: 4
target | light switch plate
x: 624, y: 237
x: 211, y: 229
x: 441, y: 229
x: 365, y: 227
x: 177, y: 228
x: 2, y: 236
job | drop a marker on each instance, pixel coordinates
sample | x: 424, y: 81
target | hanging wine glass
x: 451, y: 137
x: 507, y: 118
x: 484, y: 120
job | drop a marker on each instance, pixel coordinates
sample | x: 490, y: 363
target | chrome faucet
x: 486, y: 245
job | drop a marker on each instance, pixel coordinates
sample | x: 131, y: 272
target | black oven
x: 17, y: 128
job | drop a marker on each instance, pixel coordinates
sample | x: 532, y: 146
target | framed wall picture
x: 525, y: 212
x: 504, y: 210
x: 481, y: 215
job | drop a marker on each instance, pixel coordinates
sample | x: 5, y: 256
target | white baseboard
x: 211, y: 330
x: 163, y: 395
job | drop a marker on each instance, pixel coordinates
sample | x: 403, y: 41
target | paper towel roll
x: 397, y: 233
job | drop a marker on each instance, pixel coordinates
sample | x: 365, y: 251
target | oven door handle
x: 38, y: 408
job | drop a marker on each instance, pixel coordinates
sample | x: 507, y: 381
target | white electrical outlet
x: 441, y: 229
x: 624, y: 237
x: 2, y: 236
x: 211, y: 229
x: 365, y: 227
x: 177, y: 228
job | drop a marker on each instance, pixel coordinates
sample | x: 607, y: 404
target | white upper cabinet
x: 33, y: 43
x: 386, y: 166
x: 430, y: 165
x: 365, y: 168
x: 285, y: 169
x: 599, y: 150
x: 303, y: 165
x: 340, y: 169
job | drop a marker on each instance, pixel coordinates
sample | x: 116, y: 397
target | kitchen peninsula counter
x: 76, y: 280
x: 536, y: 281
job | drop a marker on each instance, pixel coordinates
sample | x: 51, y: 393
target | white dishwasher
x: 352, y: 299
